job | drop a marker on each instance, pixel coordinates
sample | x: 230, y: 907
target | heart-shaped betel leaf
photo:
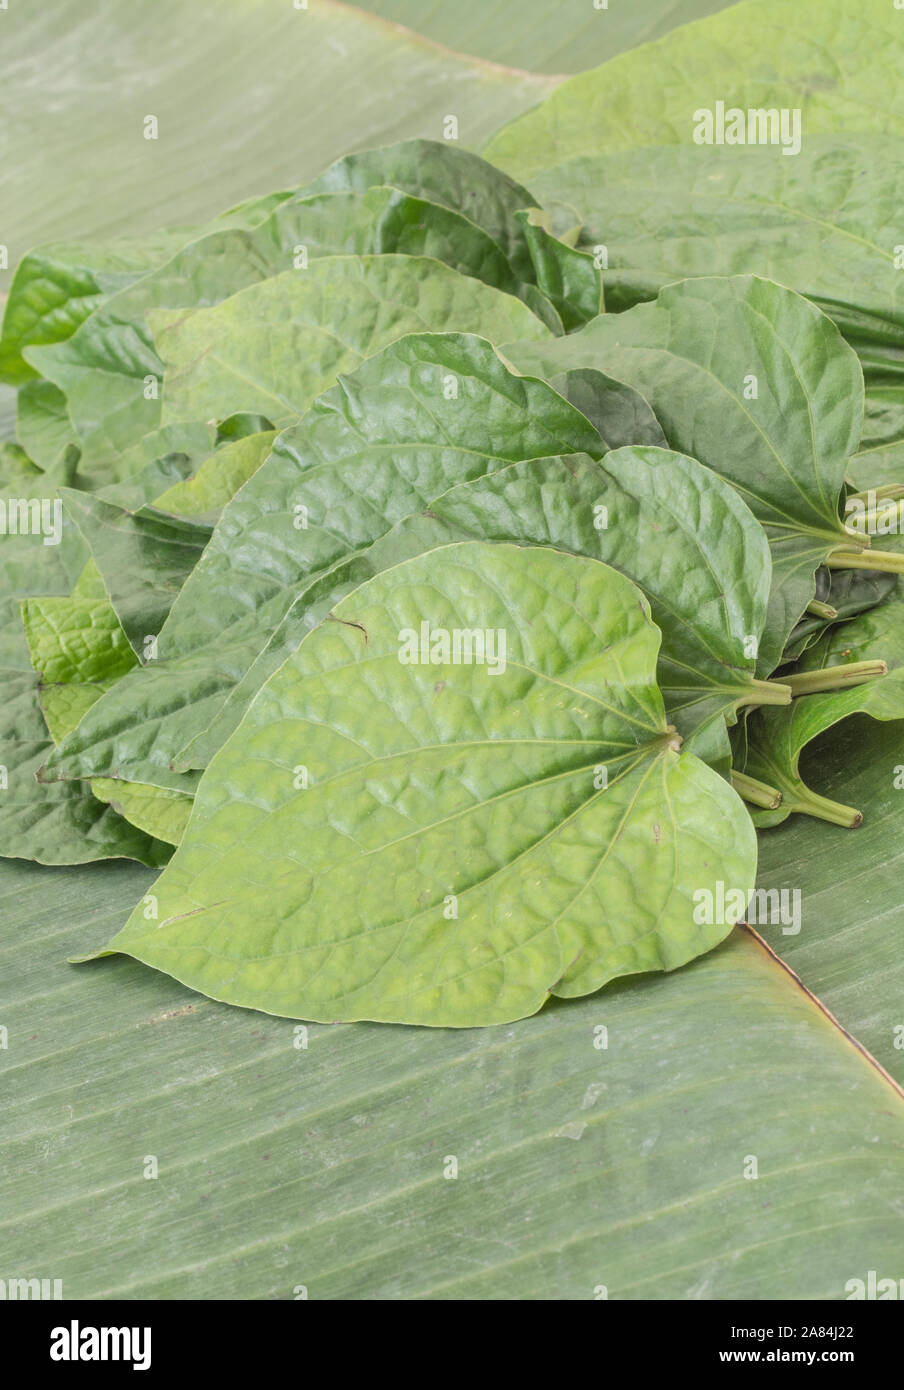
x: 449, y: 797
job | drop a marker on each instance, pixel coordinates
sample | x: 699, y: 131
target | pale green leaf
x: 203, y: 495
x: 156, y: 810
x: 471, y: 785
x: 836, y: 63
x: 109, y: 369
x: 43, y: 426
x: 278, y: 345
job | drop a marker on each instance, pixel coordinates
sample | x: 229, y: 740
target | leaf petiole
x: 809, y: 803
x: 817, y: 609
x: 886, y: 560
x: 835, y: 677
x: 757, y: 793
x: 765, y: 693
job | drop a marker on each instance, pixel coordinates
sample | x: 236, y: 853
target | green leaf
x: 778, y: 738
x: 387, y: 1230
x: 43, y: 426
x: 441, y: 174
x: 875, y: 635
x: 775, y: 739
x: 836, y: 63
x: 678, y: 531
x: 877, y: 466
x: 278, y: 345
x: 68, y: 825
x: 108, y: 370
x: 7, y: 414
x: 883, y: 424
x: 56, y: 287
x: 79, y: 649
x: 428, y: 412
x: 618, y: 412
x: 204, y: 495
x: 567, y: 277
x: 156, y: 810
x: 461, y: 863
x: 777, y: 406
x: 160, y: 460
x: 144, y: 558
x: 822, y: 223
x: 848, y: 592
x: 74, y: 642
x: 77, y: 653
x: 63, y: 824
x: 664, y: 521
x: 39, y: 553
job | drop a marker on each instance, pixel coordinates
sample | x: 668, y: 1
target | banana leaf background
x: 601, y: 1148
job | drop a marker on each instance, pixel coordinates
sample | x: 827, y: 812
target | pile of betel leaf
x: 448, y: 574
